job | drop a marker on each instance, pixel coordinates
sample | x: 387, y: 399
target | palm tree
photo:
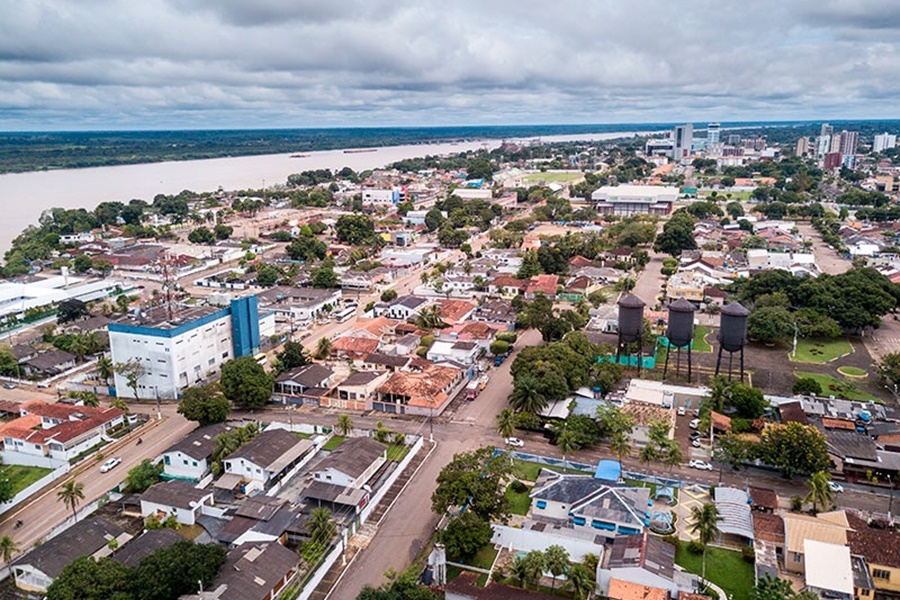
x: 705, y: 525
x: 8, y: 547
x: 567, y: 442
x: 535, y: 563
x: 581, y: 581
x: 556, y: 559
x: 648, y: 454
x: 344, y: 425
x: 321, y: 526
x: 620, y: 446
x: 323, y: 349
x: 519, y: 571
x: 71, y: 494
x: 506, y: 422
x: 672, y: 456
x: 527, y: 396
x: 120, y: 404
x: 820, y: 493
x: 105, y: 368
x: 79, y: 346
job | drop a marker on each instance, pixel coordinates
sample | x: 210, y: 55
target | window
x: 541, y: 504
x: 166, y: 460
x: 194, y: 463
x: 864, y: 592
x: 796, y: 557
x: 881, y: 574
x: 578, y: 520
x: 184, y: 461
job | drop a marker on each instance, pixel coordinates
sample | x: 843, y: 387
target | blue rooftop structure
x: 608, y: 470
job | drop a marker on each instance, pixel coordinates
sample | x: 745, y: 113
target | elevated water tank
x: 733, y: 327
x: 631, y: 318
x: 681, y: 323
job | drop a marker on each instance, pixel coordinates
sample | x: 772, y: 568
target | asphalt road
x: 43, y: 513
x: 650, y: 280
x: 828, y: 260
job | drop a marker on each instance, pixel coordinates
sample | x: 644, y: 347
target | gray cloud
x: 299, y: 63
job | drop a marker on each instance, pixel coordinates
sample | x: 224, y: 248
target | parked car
x: 681, y: 411
x: 694, y: 424
x: 9, y: 386
x: 695, y: 435
x: 695, y: 442
x: 110, y: 464
x: 835, y: 487
x: 699, y: 464
x: 511, y: 441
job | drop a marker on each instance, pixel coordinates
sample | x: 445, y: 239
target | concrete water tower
x: 732, y: 335
x: 631, y: 326
x: 680, y: 333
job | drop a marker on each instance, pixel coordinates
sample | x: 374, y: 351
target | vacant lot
x: 725, y: 568
x: 21, y: 477
x: 553, y: 177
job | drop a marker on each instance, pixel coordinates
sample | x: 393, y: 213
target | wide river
x: 24, y: 196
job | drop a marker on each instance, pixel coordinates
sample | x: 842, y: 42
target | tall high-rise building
x: 835, y: 143
x: 826, y: 130
x: 682, y: 138
x: 802, y: 148
x: 712, y: 134
x: 849, y: 142
x: 884, y: 141
x: 823, y: 145
x: 734, y: 139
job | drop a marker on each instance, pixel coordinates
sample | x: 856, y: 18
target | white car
x: 514, y: 442
x: 110, y: 464
x: 681, y: 411
x: 694, y: 424
x: 699, y: 464
x: 835, y: 487
x: 695, y: 442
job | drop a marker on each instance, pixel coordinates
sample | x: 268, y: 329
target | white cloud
x: 171, y: 63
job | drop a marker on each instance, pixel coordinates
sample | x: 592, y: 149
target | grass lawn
x: 21, y: 476
x: 832, y: 386
x: 305, y: 436
x: 821, y: 351
x: 518, y: 503
x: 700, y: 344
x: 552, y: 177
x: 852, y: 371
x: 334, y: 442
x: 725, y: 568
x: 396, y: 452
x: 484, y: 559
x: 529, y: 471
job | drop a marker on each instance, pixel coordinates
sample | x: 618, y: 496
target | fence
x: 559, y: 463
x: 35, y: 487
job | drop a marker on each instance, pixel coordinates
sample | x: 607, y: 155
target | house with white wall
x: 267, y: 459
x: 176, y: 497
x: 352, y: 463
x: 191, y: 457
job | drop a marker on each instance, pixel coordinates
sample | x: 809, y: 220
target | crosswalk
x: 890, y: 341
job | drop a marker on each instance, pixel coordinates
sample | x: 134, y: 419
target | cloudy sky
x: 119, y: 64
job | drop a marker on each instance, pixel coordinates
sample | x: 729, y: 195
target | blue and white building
x: 186, y: 349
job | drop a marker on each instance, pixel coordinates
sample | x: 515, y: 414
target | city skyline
x: 200, y: 64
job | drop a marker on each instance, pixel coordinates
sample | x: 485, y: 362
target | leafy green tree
x: 704, y: 525
x: 477, y: 480
x: 677, y: 235
x: 321, y: 530
x: 531, y: 569
x: 222, y: 232
x: 176, y: 570
x: 293, y: 355
x: 133, y: 371
x: 8, y: 548
x: 465, y: 535
x: 323, y: 349
x: 357, y: 230
x: 389, y: 295
x: 807, y: 386
x: 267, y: 275
x: 105, y: 369
x: 619, y: 445
x: 506, y: 422
x: 770, y: 324
x: 554, y: 328
x: 556, y: 559
x: 795, y: 449
x: 613, y: 421
x: 306, y: 248
x: 204, y: 404
x: 499, y: 347
x: 141, y: 477
x: 734, y: 451
x: 246, y: 383
x: 748, y: 401
x: 71, y: 310
x: 87, y: 578
x: 527, y: 396
x: 888, y: 369
x: 9, y: 364
x: 71, y: 494
x: 581, y: 580
x: 400, y: 586
x: 567, y: 442
x: 323, y: 276
x: 773, y: 588
x: 201, y: 235
x: 344, y: 425
x: 820, y: 494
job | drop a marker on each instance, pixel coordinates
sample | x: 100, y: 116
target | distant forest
x: 39, y: 151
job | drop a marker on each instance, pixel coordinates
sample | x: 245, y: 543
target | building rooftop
x: 81, y: 539
x: 353, y: 456
x: 625, y: 590
x: 175, y: 492
x: 645, y: 551
x: 272, y: 449
x: 200, y: 443
x: 424, y: 388
x: 158, y: 317
x: 131, y: 554
x: 361, y: 378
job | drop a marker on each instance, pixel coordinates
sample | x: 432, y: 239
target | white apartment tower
x: 682, y: 139
x: 713, y: 131
x: 884, y: 141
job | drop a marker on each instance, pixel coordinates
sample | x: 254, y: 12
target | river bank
x: 25, y: 196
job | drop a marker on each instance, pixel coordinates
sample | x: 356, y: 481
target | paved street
x: 649, y: 282
x: 42, y: 514
x: 827, y: 258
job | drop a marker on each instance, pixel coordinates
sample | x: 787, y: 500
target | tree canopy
x: 476, y: 480
x: 677, y: 235
x: 246, y: 383
x: 795, y: 449
x: 205, y: 404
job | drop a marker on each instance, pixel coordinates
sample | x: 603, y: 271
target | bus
x: 261, y: 358
x: 345, y: 314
